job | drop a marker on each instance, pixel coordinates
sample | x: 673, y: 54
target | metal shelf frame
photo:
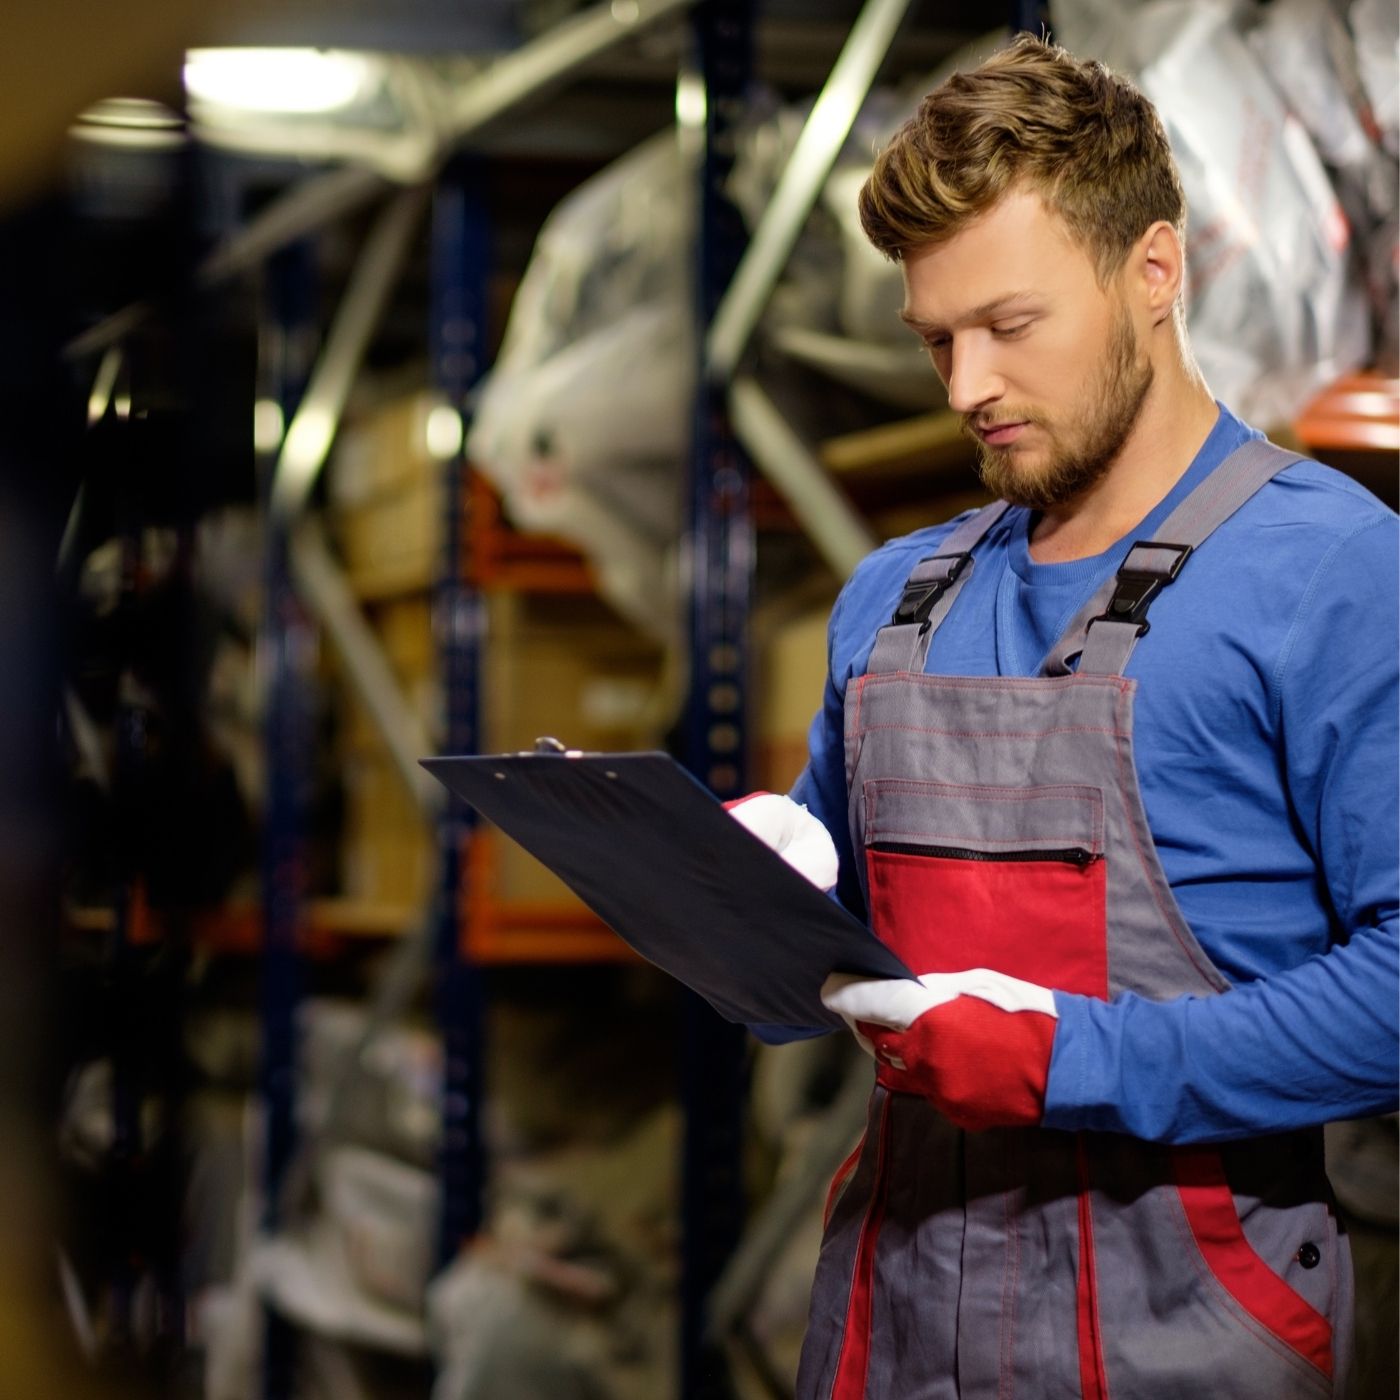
x: 734, y: 277
x: 719, y: 567
x: 460, y: 259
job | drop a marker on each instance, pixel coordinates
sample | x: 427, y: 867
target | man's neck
x: 1177, y: 417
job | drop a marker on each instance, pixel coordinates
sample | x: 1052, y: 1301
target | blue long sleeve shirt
x: 1266, y: 747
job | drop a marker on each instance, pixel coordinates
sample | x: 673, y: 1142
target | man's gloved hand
x: 976, y: 1044
x: 792, y: 831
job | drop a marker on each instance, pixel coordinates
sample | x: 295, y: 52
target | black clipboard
x: 659, y: 860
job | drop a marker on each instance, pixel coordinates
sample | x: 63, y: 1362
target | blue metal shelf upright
x: 720, y: 560
x: 460, y: 258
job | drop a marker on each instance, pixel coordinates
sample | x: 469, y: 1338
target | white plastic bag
x: 585, y: 421
x: 1275, y: 306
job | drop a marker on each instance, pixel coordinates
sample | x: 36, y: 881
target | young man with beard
x: 1112, y: 765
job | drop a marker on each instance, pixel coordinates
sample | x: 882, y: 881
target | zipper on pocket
x: 1070, y: 855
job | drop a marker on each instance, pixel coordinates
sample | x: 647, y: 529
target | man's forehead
x: 1016, y: 253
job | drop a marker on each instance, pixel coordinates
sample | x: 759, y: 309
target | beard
x: 1082, y: 452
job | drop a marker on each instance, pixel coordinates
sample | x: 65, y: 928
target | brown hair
x: 1031, y: 116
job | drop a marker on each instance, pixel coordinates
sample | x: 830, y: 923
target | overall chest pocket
x: 1012, y: 879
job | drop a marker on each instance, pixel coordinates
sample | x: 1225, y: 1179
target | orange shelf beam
x: 500, y: 557
x: 499, y: 932
x: 1359, y: 413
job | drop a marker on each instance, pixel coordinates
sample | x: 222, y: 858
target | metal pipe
x: 552, y: 56
x: 312, y: 430
x: 842, y: 538
x: 321, y: 585
x: 826, y: 129
x: 301, y: 210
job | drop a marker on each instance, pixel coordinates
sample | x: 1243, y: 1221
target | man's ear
x: 1160, y: 263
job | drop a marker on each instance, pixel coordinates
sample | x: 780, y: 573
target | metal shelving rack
x: 722, y: 542
x: 734, y: 277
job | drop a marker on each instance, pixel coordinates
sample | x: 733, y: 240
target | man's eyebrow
x: 1011, y: 301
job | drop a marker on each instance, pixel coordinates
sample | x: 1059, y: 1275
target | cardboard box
x: 386, y: 498
x: 790, y: 679
x: 392, y: 543
x: 560, y: 666
x: 405, y: 630
x: 382, y: 453
x: 568, y: 668
x: 387, y: 849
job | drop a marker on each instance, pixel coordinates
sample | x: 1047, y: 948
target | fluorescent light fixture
x: 268, y: 426
x: 690, y: 100
x: 278, y: 81
x: 444, y: 432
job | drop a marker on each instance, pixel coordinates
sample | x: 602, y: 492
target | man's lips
x: 1000, y: 434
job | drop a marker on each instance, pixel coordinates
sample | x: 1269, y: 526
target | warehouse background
x: 384, y: 381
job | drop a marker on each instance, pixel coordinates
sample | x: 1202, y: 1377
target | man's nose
x: 973, y: 380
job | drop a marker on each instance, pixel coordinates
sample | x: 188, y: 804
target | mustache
x: 971, y: 424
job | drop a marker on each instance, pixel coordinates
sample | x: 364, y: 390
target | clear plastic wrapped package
x: 586, y: 415
x: 1306, y: 49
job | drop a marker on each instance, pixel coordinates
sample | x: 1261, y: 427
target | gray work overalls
x: 1001, y: 826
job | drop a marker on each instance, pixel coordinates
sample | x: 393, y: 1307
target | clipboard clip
x: 547, y: 744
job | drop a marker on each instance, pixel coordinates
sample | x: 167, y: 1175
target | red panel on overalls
x: 946, y: 913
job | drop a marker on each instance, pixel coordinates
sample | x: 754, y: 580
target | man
x: 1112, y: 765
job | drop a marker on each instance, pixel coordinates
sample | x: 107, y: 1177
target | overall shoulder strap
x: 1107, y: 628
x: 931, y: 589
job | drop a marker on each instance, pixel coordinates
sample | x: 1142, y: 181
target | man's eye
x: 1010, y: 332
x: 935, y: 343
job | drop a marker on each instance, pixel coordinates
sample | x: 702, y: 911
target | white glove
x: 792, y: 831
x: 977, y: 1044
x: 897, y: 1002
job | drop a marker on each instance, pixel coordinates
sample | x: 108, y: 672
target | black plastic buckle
x: 1137, y: 588
x: 919, y: 598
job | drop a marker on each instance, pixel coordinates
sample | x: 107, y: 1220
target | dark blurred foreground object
x: 57, y: 59
x: 1361, y: 1164
x: 38, y: 1356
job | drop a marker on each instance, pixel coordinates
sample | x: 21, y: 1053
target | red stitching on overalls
x: 993, y: 733
x: 998, y: 682
x: 872, y: 823
x: 1015, y: 842
x: 1166, y: 913
x: 1042, y: 792
x: 1089, y: 1268
x: 1050, y: 792
x: 1177, y: 1209
x: 870, y: 1226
